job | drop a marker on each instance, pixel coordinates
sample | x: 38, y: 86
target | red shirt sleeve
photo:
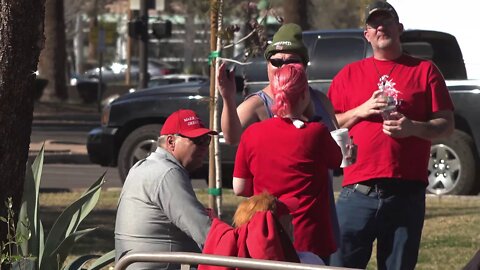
x: 242, y: 167
x: 438, y: 91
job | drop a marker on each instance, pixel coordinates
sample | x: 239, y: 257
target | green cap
x: 288, y: 39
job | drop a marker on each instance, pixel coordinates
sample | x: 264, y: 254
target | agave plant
x: 50, y: 252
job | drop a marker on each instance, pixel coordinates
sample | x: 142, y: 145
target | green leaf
x: 79, y: 262
x: 3, y: 219
x: 41, y: 243
x: 29, y: 206
x: 16, y: 258
x: 57, y: 256
x: 103, y: 261
x: 74, y: 213
x: 87, y: 207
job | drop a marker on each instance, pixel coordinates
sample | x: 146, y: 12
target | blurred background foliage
x: 72, y: 43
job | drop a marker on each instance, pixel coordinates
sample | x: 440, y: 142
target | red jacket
x: 260, y: 238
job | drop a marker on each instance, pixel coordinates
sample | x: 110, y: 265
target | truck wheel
x: 451, y: 168
x: 137, y: 146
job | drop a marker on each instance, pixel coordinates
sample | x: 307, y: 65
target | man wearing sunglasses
x: 158, y: 209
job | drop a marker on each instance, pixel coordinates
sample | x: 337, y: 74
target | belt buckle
x: 364, y: 189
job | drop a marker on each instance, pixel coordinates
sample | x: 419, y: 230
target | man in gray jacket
x: 157, y: 208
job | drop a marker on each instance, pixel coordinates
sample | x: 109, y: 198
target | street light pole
x: 143, y: 75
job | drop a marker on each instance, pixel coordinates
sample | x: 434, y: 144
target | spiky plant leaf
x: 58, y: 255
x: 74, y: 213
x: 29, y: 206
x: 79, y: 262
x: 103, y: 261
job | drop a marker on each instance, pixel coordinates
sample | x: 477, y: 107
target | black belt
x: 364, y: 189
x: 388, y: 186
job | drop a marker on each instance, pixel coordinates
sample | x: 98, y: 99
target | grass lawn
x: 451, y: 234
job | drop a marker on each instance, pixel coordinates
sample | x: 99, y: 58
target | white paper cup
x: 343, y: 140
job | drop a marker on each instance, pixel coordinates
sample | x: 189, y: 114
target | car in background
x: 157, y: 81
x: 115, y: 72
x: 176, y: 78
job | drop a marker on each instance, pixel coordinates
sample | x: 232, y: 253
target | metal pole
x: 143, y: 76
x: 101, y: 49
x: 129, y: 50
x: 225, y: 261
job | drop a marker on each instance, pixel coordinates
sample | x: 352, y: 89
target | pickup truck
x: 131, y: 123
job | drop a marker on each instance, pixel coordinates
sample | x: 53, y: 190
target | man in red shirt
x: 393, y: 105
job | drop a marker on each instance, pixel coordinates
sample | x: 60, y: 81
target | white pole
x: 218, y: 158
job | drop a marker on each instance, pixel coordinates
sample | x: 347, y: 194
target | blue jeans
x: 394, y: 219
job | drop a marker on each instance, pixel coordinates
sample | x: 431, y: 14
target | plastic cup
x: 342, y: 138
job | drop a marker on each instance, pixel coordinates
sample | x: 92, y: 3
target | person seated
x: 257, y: 234
x: 158, y: 210
x: 281, y: 209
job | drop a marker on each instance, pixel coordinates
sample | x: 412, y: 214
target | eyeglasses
x: 277, y: 62
x: 200, y: 141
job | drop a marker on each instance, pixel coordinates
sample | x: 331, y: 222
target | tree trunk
x: 21, y: 32
x: 295, y: 11
x: 52, y: 65
x: 92, y: 42
x: 78, y: 44
x: 190, y: 35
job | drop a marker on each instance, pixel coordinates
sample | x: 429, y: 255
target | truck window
x: 418, y: 49
x: 257, y: 70
x: 331, y: 54
x: 441, y: 48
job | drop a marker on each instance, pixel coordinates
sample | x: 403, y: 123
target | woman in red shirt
x: 287, y: 155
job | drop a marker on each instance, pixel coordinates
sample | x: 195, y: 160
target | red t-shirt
x: 288, y: 161
x: 422, y: 91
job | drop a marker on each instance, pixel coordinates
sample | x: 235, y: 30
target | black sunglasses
x: 277, y: 62
x: 203, y: 140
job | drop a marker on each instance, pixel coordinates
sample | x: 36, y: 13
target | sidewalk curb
x: 61, y: 158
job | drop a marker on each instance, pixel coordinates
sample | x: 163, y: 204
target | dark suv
x: 130, y: 124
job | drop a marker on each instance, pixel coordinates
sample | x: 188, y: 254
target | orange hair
x: 247, y: 208
x: 288, y: 86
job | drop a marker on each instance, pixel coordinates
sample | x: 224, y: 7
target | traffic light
x: 162, y: 29
x: 136, y: 29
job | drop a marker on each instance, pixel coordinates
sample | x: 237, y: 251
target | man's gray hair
x: 161, y: 141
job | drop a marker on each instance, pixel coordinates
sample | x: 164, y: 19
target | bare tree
x: 191, y: 10
x: 295, y: 11
x: 21, y: 40
x: 326, y: 14
x: 52, y: 65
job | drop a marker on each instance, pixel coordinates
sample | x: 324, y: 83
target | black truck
x: 131, y: 123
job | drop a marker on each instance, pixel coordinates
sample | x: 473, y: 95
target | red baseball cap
x: 286, y: 206
x: 185, y: 123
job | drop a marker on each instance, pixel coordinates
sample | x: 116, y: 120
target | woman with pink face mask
x: 289, y: 156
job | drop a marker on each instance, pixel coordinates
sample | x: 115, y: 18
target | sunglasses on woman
x: 277, y: 62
